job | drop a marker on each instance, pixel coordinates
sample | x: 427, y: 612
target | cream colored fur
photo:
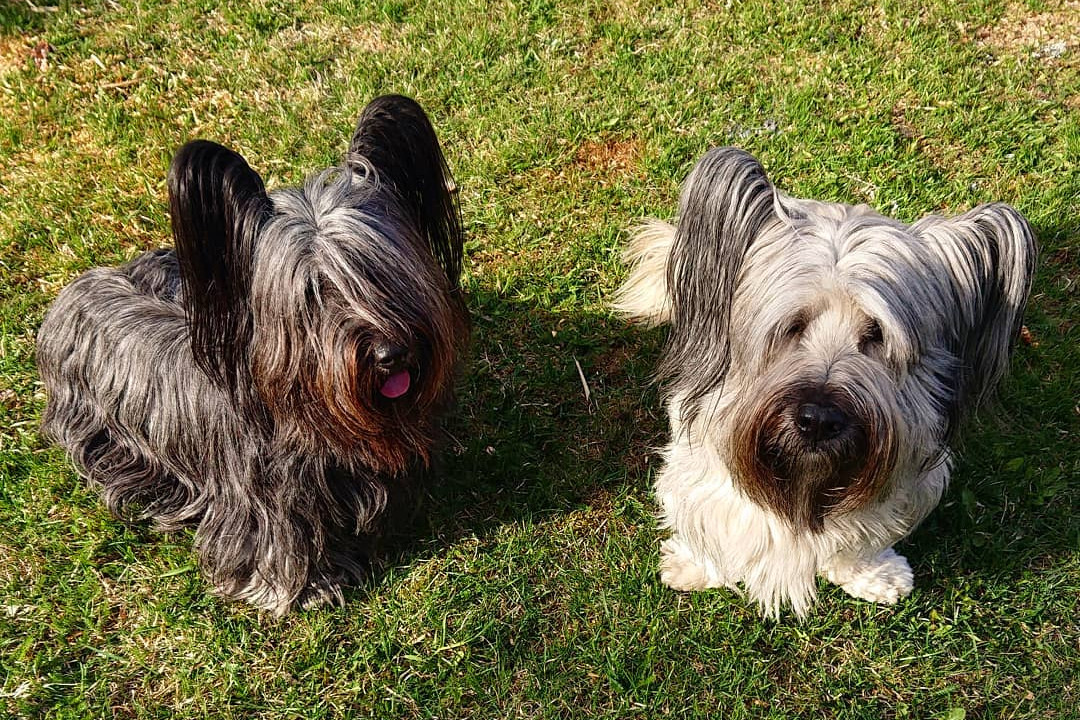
x: 644, y: 295
x: 720, y: 538
x: 778, y: 304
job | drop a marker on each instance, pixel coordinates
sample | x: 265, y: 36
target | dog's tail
x: 644, y: 296
x: 395, y: 137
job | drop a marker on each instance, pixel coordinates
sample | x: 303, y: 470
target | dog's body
x: 278, y: 379
x: 820, y: 359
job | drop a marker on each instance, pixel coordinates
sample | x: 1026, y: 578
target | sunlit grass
x: 530, y: 589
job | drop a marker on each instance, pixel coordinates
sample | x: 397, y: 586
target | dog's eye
x: 795, y: 328
x: 871, y: 336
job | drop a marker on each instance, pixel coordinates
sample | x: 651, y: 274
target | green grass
x: 531, y: 588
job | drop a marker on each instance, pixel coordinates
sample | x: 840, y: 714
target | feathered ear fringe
x: 218, y: 205
x: 989, y: 253
x: 725, y: 203
x: 395, y: 137
x: 644, y: 296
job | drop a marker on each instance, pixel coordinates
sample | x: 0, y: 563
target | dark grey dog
x: 277, y: 380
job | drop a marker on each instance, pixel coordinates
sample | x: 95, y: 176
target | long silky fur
x: 770, y: 299
x: 395, y: 136
x: 724, y: 203
x: 228, y: 384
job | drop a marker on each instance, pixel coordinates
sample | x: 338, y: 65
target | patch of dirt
x: 609, y: 157
x: 908, y: 118
x: 13, y: 54
x: 612, y: 363
x: 900, y: 123
x: 1046, y: 35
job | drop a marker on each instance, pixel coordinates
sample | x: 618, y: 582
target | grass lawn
x: 531, y: 587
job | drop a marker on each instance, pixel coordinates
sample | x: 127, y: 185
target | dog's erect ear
x: 725, y: 202
x: 396, y: 138
x: 989, y: 254
x: 218, y: 204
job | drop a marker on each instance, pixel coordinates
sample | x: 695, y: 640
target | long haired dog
x: 278, y: 378
x: 819, y: 360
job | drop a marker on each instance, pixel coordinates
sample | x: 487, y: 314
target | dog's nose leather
x: 820, y: 421
x: 388, y: 356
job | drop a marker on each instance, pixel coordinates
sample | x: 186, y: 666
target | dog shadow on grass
x: 556, y: 411
x: 1013, y: 500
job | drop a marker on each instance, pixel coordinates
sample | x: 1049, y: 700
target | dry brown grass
x: 14, y: 52
x: 367, y: 38
x: 609, y: 159
x: 1052, y: 35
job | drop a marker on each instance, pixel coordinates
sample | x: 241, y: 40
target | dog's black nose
x: 388, y: 355
x: 820, y: 421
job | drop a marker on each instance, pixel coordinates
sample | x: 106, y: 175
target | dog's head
x: 823, y: 348
x: 331, y: 312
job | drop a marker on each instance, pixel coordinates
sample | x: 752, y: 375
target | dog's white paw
x: 679, y: 570
x: 885, y: 579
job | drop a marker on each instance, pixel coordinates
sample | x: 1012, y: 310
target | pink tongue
x: 396, y: 385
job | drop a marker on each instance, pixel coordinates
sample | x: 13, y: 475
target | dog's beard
x: 315, y: 355
x: 394, y: 421
x: 337, y: 399
x: 803, y: 479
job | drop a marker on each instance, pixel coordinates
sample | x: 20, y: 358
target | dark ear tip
x: 996, y: 217
x: 997, y: 212
x: 195, y: 150
x: 997, y: 209
x: 391, y: 108
x: 733, y: 164
x: 198, y: 156
x: 393, y: 103
x: 733, y: 155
